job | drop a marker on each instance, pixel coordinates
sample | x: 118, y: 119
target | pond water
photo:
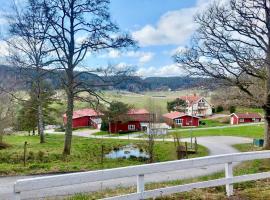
x: 127, y: 152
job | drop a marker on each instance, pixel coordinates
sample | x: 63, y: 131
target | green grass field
x: 86, y: 154
x: 255, y: 131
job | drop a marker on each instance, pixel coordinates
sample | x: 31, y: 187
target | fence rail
x: 33, y: 188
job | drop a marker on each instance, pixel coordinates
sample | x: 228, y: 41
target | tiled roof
x: 175, y: 114
x: 85, y: 112
x: 137, y: 111
x: 190, y: 99
x: 141, y: 115
x: 247, y: 115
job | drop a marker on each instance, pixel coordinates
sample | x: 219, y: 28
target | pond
x: 129, y: 151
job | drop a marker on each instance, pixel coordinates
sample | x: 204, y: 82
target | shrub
x: 104, y: 126
x: 31, y: 155
x: 40, y: 155
x: 219, y: 109
x: 232, y: 109
x: 4, y: 145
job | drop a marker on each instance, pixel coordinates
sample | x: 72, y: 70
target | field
x: 86, y: 155
x: 255, y: 131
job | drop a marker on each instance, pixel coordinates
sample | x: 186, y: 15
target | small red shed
x: 239, y: 118
x: 85, y: 118
x: 178, y: 119
x: 137, y: 119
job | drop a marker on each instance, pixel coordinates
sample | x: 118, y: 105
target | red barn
x: 137, y: 120
x: 239, y: 118
x: 85, y: 118
x: 178, y: 119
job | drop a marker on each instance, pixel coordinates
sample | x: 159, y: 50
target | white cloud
x: 167, y: 70
x: 174, y: 27
x: 143, y: 57
x: 4, y: 49
x: 146, y: 57
x: 114, y: 54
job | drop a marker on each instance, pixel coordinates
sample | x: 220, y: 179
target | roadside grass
x: 85, y: 154
x: 253, y: 131
x: 251, y: 190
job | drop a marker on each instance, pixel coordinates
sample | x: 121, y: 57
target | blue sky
x: 161, y: 27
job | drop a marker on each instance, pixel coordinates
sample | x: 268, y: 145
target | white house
x: 197, y: 106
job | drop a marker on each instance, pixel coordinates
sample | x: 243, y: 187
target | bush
x: 219, y: 109
x: 213, y: 110
x: 4, y: 145
x: 232, y: 109
x: 40, y: 155
x: 104, y: 126
x: 31, y: 155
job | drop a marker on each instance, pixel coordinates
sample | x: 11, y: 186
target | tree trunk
x: 267, y: 113
x: 41, y: 124
x: 69, y: 115
x: 266, y: 106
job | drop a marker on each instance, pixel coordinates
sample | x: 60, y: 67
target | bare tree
x: 232, y: 44
x: 77, y: 28
x: 6, y: 114
x: 29, y: 50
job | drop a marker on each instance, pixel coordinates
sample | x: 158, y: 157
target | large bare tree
x: 232, y: 44
x: 79, y: 27
x: 6, y: 113
x: 29, y: 50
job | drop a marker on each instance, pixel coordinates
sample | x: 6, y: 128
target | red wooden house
x: 85, y: 118
x: 178, y: 119
x: 239, y: 118
x: 137, y: 120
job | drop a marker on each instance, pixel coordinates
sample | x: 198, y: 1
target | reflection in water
x: 128, y: 151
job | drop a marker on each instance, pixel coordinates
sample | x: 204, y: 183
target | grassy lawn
x: 252, y: 190
x: 105, y: 133
x: 213, y: 122
x: 249, y: 110
x: 255, y: 131
x: 86, y: 154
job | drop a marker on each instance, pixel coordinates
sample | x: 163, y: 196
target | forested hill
x: 11, y: 75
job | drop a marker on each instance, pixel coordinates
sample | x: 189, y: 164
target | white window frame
x: 131, y: 127
x: 179, y: 121
x: 241, y: 120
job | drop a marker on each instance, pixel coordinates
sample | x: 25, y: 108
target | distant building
x: 239, y: 118
x: 85, y: 118
x: 178, y: 119
x: 136, y: 120
x: 197, y: 106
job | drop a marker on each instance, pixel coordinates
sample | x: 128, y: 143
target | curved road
x: 216, y: 145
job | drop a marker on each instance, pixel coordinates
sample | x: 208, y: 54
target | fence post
x: 229, y: 174
x: 140, y: 185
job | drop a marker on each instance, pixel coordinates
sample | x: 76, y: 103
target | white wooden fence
x: 33, y: 188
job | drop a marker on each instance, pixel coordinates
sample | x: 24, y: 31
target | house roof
x: 87, y: 112
x: 175, y: 115
x: 190, y: 99
x: 247, y: 115
x: 140, y: 111
x: 141, y: 115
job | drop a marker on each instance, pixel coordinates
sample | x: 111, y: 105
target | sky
x: 161, y: 27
